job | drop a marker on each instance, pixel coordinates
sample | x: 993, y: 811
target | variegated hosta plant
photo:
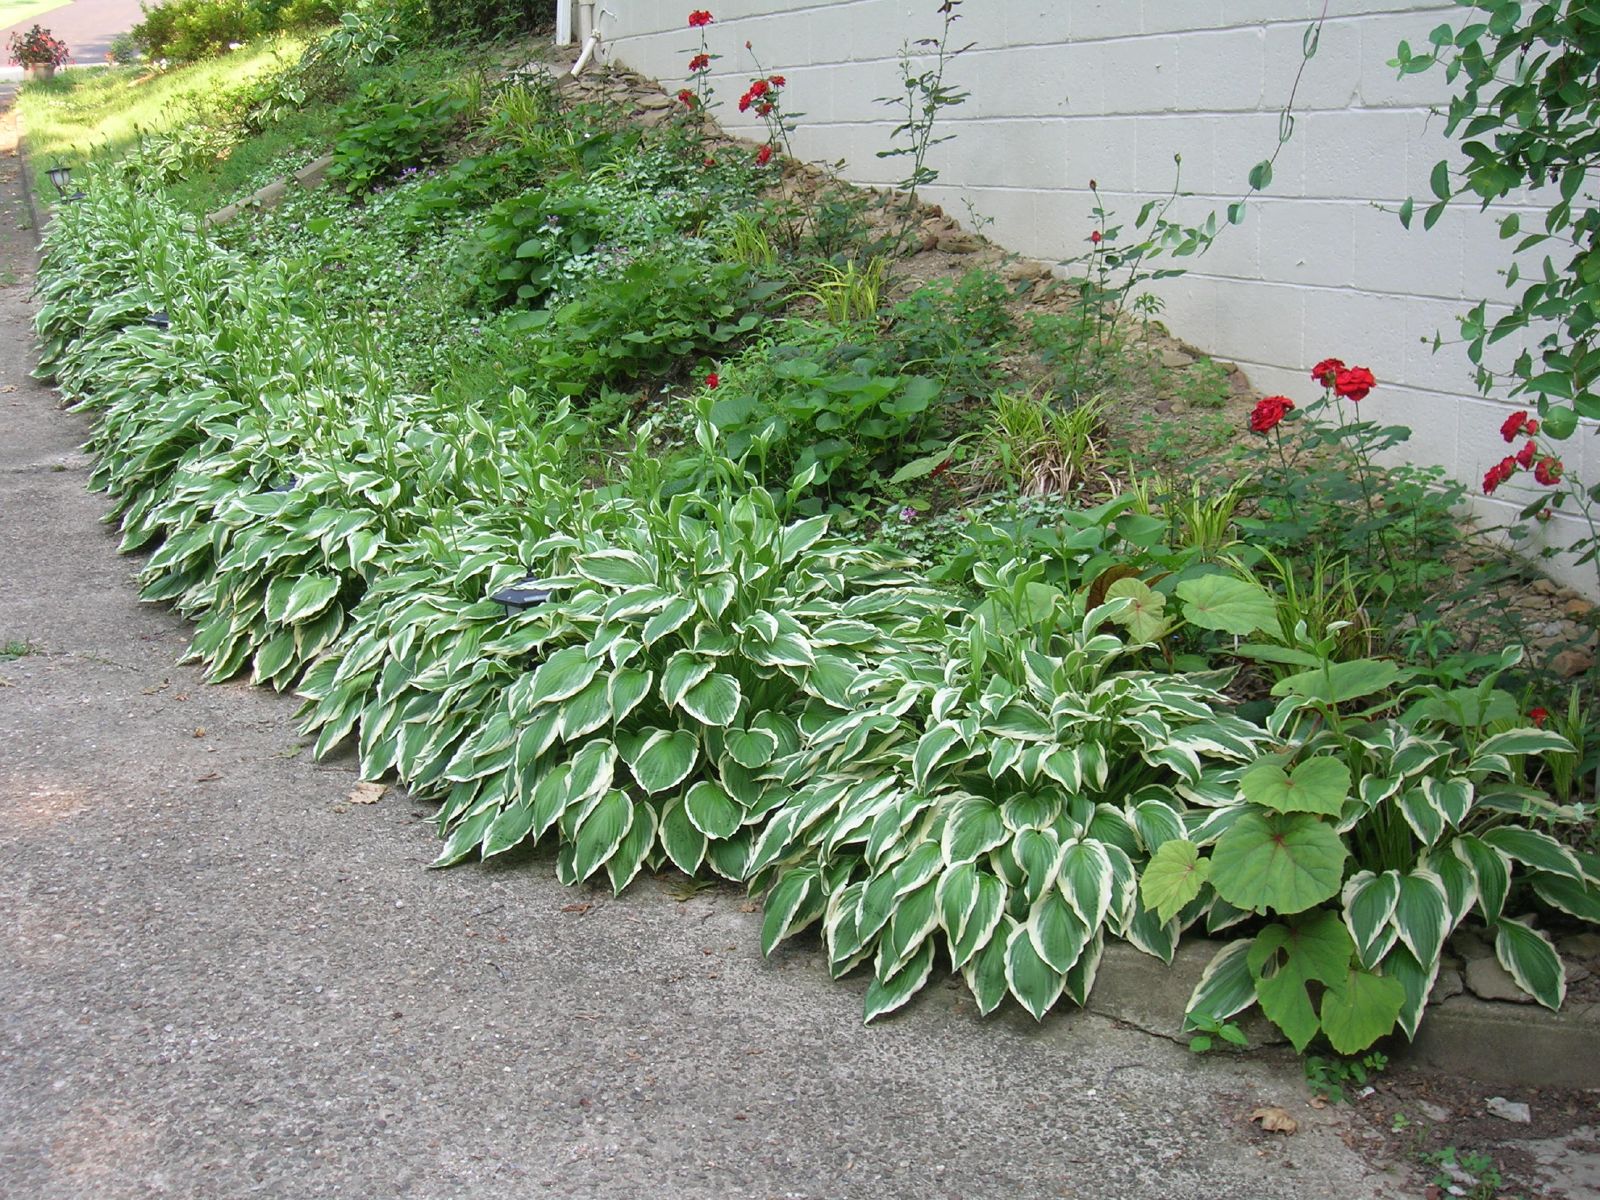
x: 632, y: 716
x: 1369, y: 837
x: 991, y: 806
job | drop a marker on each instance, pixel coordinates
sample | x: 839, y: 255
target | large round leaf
x: 1277, y: 862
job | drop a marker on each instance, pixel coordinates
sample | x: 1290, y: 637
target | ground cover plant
x: 839, y: 592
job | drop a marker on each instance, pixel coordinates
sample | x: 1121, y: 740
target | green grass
x: 14, y: 12
x: 95, y: 116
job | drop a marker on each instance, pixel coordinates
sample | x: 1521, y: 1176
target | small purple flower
x: 908, y: 514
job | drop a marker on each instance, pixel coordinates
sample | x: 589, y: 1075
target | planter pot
x: 32, y: 71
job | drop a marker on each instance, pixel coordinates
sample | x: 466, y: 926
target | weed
x: 17, y: 649
x: 1035, y: 444
x: 1328, y: 1077
x: 849, y: 294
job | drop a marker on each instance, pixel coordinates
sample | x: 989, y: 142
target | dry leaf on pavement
x: 1275, y: 1120
x: 367, y: 793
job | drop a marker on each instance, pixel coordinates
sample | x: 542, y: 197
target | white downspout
x: 589, y: 31
x: 585, y: 20
x: 563, y: 22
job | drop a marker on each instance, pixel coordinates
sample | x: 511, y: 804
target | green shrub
x: 185, y: 30
x: 393, y: 136
x: 957, y: 332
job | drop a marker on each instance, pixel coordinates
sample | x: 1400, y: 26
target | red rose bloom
x: 758, y: 88
x: 1096, y: 237
x: 699, y: 62
x: 1268, y: 412
x: 1354, y: 384
x: 763, y: 156
x: 1525, y: 455
x: 1539, y: 716
x: 686, y: 97
x: 777, y: 81
x: 699, y: 19
x: 1325, y: 371
x: 1498, y: 474
x: 1548, y: 472
x: 712, y: 380
x: 1531, y: 428
x: 1513, y: 426
x: 744, y: 102
x: 764, y: 109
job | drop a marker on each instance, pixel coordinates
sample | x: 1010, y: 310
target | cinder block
x: 1217, y: 72
x: 1181, y: 16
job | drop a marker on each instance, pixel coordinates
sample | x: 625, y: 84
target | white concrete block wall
x: 1064, y: 91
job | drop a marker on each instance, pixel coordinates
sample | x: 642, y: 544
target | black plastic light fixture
x: 524, y: 594
x: 158, y: 320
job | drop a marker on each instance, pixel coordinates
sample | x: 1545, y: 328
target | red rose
x: 758, y: 88
x: 1095, y: 237
x: 708, y: 161
x: 777, y: 81
x: 1525, y: 455
x: 744, y: 102
x: 1539, y: 716
x: 1531, y: 428
x: 764, y: 156
x: 1548, y: 472
x: 764, y: 110
x: 1498, y: 474
x: 712, y: 380
x: 699, y: 62
x: 1353, y: 384
x: 1268, y: 412
x: 699, y: 18
x: 1325, y: 371
x: 686, y: 97
x: 1513, y: 426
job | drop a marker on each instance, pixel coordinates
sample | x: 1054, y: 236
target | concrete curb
x: 1512, y: 1044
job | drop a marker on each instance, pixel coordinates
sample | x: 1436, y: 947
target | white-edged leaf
x: 1368, y: 901
x: 1532, y: 961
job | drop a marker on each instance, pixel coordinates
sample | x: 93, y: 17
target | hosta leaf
x: 1148, y: 932
x: 678, y: 610
x: 1460, y: 885
x: 712, y: 811
x: 1415, y: 981
x: 1227, y: 604
x: 1368, y: 901
x: 592, y: 769
x: 717, y: 594
x: 509, y: 829
x: 628, y: 687
x: 796, y: 539
x: 752, y: 748
x: 986, y: 971
x: 714, y: 700
x: 587, y: 711
x: 934, y: 746
x: 1581, y: 900
x: 1421, y: 915
x: 1035, y: 983
x: 601, y: 832
x: 616, y: 568
x: 1525, y: 741
x: 565, y: 673
x: 664, y: 759
x: 634, y: 848
x: 1491, y: 871
x: 957, y: 896
x: 685, y: 845
x: 886, y: 995
x: 1280, y: 862
x: 1226, y: 985
x: 1318, y: 785
x: 306, y: 597
x: 1537, y: 850
x: 988, y: 910
x: 1425, y: 818
x: 1038, y: 853
x: 1085, y: 877
x: 1532, y: 961
x: 1360, y: 1009
x: 786, y: 907
x: 682, y: 672
x: 1080, y: 978
x: 730, y: 857
x: 467, y: 834
x: 915, y: 916
x: 972, y: 829
x: 1173, y: 877
x: 1452, y: 797
x: 550, y: 798
x: 1058, y: 932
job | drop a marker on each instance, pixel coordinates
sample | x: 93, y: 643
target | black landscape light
x: 524, y: 594
x: 158, y: 320
x: 61, y: 176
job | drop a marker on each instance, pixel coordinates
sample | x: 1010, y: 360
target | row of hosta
x: 716, y: 683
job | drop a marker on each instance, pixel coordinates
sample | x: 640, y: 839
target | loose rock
x: 1488, y: 980
x: 1509, y: 1110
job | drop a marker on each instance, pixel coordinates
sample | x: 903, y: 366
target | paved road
x: 87, y: 27
x: 222, y: 980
